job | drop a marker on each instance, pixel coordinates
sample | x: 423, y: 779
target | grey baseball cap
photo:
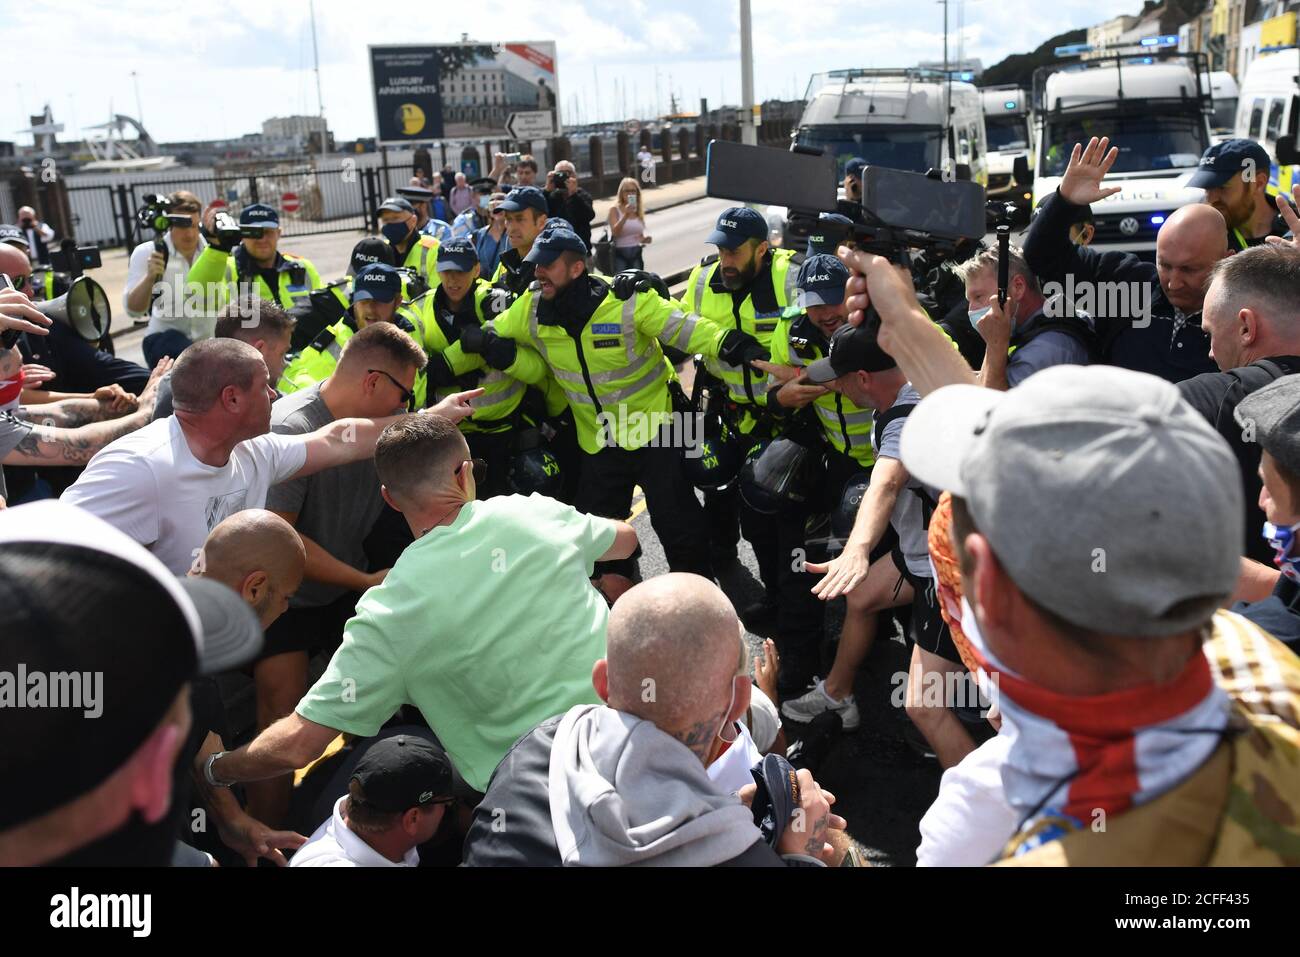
x: 1107, y: 498
x: 1273, y: 412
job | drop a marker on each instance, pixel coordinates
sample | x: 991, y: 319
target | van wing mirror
x: 1020, y: 170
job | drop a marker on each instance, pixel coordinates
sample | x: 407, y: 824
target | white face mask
x: 727, y: 723
x: 975, y: 315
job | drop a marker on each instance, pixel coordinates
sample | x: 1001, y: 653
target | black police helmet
x: 714, y: 461
x: 533, y: 468
x: 842, y: 518
x: 776, y: 475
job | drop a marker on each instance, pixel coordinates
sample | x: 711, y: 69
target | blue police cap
x: 457, y: 255
x: 259, y: 214
x: 830, y: 231
x: 854, y: 167
x: 550, y: 243
x: 1224, y: 160
x: 558, y: 222
x: 737, y: 225
x: 821, y: 281
x: 377, y: 281
x: 524, y: 197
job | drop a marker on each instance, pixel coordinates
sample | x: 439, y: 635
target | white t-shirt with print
x: 149, y: 485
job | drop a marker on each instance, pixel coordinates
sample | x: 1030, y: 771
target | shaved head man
x: 1188, y: 245
x: 1146, y: 315
x: 624, y: 783
x: 257, y: 554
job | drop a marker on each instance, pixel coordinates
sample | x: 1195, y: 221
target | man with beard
x: 746, y: 287
x: 1234, y: 175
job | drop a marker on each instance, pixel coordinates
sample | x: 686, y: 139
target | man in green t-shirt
x: 488, y: 623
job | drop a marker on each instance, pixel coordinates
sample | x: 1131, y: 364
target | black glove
x: 631, y: 281
x: 740, y: 348
x: 439, y: 372
x: 473, y: 339
x: 499, y: 352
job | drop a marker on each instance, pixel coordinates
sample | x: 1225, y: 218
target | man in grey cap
x: 1096, y: 519
x: 1271, y: 417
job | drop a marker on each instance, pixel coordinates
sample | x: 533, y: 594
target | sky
x: 207, y: 71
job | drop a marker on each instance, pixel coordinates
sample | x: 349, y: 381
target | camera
x: 228, y: 229
x: 156, y: 214
x: 513, y: 158
x: 561, y: 178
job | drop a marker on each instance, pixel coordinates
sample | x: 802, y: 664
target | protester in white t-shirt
x: 172, y: 482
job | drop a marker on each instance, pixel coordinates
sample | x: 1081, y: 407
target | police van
x: 1155, y: 109
x: 893, y: 118
x: 1223, y: 89
x: 1006, y: 123
x: 1268, y: 108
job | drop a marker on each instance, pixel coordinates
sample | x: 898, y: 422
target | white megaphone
x: 84, y: 307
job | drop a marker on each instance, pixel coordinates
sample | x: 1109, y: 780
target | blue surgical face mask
x: 1282, y: 538
x: 975, y: 315
x: 395, y: 232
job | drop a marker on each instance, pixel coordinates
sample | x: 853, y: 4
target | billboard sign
x: 461, y: 90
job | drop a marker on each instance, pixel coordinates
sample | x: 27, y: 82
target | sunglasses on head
x: 478, y: 465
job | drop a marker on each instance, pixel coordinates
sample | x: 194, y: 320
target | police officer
x: 256, y: 262
x: 746, y: 287
x: 376, y: 297
x: 416, y: 252
x: 802, y: 337
x: 1235, y: 176
x: 526, y: 212
x: 604, y: 345
x: 452, y: 317
x: 421, y: 199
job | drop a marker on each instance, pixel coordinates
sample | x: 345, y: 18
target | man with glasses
x: 155, y: 285
x: 334, y: 511
x: 487, y: 623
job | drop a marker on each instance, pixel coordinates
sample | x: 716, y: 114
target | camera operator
x: 645, y: 755
x: 1168, y: 342
x: 853, y: 179
x: 254, y: 260
x: 155, y: 284
x: 567, y: 200
x: 38, y: 234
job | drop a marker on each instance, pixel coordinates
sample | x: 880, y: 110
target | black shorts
x: 928, y: 630
x: 312, y: 630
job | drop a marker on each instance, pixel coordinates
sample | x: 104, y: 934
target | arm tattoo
x: 66, y: 413
x: 54, y: 446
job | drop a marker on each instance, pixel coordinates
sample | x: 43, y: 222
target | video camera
x: 228, y: 229
x: 156, y: 214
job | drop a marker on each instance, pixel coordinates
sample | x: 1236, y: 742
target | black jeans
x: 628, y: 257
x: 605, y: 489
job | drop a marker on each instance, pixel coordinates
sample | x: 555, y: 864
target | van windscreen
x: 1145, y: 142
x: 1007, y: 132
x: 914, y: 148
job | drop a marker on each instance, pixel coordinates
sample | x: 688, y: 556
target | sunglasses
x: 480, y: 469
x: 407, y: 395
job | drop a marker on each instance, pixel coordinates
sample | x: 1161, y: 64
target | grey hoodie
x: 623, y: 792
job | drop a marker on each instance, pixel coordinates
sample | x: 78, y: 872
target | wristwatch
x: 207, y: 771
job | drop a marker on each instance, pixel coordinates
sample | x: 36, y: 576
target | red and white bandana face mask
x: 11, y: 390
x: 1075, y: 758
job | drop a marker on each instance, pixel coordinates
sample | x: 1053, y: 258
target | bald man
x: 624, y: 783
x: 258, y: 555
x: 1148, y: 316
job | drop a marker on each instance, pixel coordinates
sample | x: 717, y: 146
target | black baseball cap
x: 551, y: 242
x: 153, y: 634
x: 259, y: 214
x: 371, y: 250
x: 402, y: 772
x: 13, y: 236
x: 1224, y: 160
x: 457, y: 255
x: 737, y: 225
x: 821, y: 282
x: 524, y: 197
x: 852, y: 349
x: 396, y: 204
x: 378, y: 281
x: 831, y: 230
